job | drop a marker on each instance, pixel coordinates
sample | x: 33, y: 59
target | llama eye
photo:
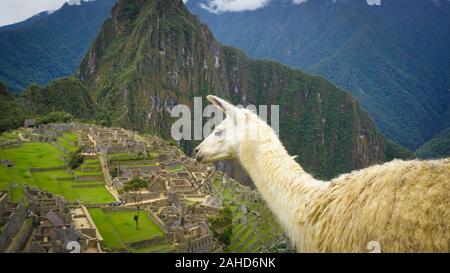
x: 218, y: 133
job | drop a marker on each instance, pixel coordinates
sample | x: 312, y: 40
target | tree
x: 134, y: 188
x: 54, y: 117
x: 75, y: 159
x: 222, y: 226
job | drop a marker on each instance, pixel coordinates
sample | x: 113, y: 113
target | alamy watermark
x: 190, y: 124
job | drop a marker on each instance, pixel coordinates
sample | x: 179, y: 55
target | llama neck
x: 284, y: 185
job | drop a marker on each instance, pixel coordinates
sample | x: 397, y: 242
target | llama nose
x: 199, y: 158
x: 196, y: 150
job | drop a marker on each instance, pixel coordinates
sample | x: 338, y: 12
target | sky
x: 13, y: 11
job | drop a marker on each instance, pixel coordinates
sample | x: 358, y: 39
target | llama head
x: 240, y: 126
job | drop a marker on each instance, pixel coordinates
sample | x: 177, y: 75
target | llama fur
x: 403, y: 205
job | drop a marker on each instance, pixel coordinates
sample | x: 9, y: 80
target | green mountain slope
x: 151, y: 55
x: 12, y: 112
x: 437, y: 147
x: 65, y: 94
x: 393, y: 58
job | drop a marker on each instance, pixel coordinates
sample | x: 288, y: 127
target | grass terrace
x: 175, y: 169
x: 9, y: 136
x: 40, y: 165
x: 158, y: 248
x: 256, y: 232
x: 29, y: 155
x: 118, y: 228
x: 68, y: 141
x: 62, y: 183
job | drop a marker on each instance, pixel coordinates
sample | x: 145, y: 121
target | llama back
x: 402, y: 205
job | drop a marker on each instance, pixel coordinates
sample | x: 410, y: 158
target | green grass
x: 175, y: 169
x: 251, y: 236
x: 160, y: 248
x: 122, y: 157
x: 38, y: 155
x: 45, y: 155
x: 70, y: 136
x: 67, y: 141
x: 118, y: 228
x: 10, y: 135
x: 47, y: 181
x: 93, y: 195
x: 91, y: 162
x: 93, y: 173
x: 131, y: 156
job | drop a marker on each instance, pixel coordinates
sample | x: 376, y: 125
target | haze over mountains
x: 394, y: 57
x: 50, y: 44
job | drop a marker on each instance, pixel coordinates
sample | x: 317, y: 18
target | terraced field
x: 28, y: 155
x: 68, y: 141
x: 160, y: 248
x: 255, y: 228
x: 41, y: 165
x: 118, y: 229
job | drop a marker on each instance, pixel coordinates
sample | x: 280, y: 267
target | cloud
x: 219, y: 6
x: 13, y: 11
x: 298, y: 2
x: 374, y: 2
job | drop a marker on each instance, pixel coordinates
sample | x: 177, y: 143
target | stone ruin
x: 174, y: 181
x: 47, y: 226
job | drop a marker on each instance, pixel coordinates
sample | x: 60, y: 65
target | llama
x: 400, y: 206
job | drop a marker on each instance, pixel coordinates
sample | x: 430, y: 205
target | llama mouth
x: 199, y: 158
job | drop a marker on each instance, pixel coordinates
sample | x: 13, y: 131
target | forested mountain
x: 49, y: 45
x: 394, y: 57
x: 437, y: 147
x: 12, y: 112
x: 67, y: 95
x: 151, y: 55
x: 64, y: 94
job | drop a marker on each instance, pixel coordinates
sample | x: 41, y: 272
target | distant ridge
x: 49, y: 45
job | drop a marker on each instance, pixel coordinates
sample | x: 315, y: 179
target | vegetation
x: 222, y: 226
x: 254, y: 228
x: 55, y: 117
x: 75, y: 159
x: 394, y: 150
x: 134, y: 188
x: 69, y: 142
x: 60, y: 101
x: 12, y: 112
x: 61, y: 183
x: 29, y: 155
x: 117, y: 228
x: 438, y: 147
x: 31, y: 166
x: 62, y: 95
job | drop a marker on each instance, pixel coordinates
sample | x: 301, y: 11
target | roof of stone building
x: 54, y: 219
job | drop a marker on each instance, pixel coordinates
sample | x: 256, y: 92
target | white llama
x: 402, y: 205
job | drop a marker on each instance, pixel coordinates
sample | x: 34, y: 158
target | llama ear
x: 225, y: 106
